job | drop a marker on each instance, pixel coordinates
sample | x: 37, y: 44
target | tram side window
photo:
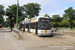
x: 22, y: 25
x: 32, y: 25
x: 26, y: 25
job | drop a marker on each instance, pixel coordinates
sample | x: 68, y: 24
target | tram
x: 37, y: 25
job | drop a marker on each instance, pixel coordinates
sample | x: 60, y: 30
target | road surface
x: 31, y: 42
x: 8, y: 41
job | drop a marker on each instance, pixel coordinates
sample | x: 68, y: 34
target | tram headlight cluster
x: 41, y: 31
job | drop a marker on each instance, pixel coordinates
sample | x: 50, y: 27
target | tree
x: 11, y: 12
x: 7, y: 20
x: 64, y: 23
x: 46, y: 15
x: 55, y: 24
x: 56, y: 18
x: 73, y: 22
x: 2, y: 12
x: 65, y: 16
x: 32, y: 9
x: 1, y: 20
x: 70, y: 12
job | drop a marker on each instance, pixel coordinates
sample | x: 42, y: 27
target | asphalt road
x: 8, y: 41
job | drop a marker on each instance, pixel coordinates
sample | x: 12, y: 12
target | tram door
x: 36, y: 25
x: 28, y: 27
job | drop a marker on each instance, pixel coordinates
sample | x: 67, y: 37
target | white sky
x: 51, y: 7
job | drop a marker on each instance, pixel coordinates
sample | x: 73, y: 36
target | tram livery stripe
x: 33, y: 31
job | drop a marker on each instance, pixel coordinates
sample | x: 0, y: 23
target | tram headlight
x: 41, y: 31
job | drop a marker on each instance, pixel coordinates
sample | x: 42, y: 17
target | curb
x: 16, y: 35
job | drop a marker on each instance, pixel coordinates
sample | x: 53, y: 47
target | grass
x: 37, y: 35
x: 16, y: 31
x: 42, y: 37
x: 15, y: 36
x: 19, y: 38
x: 51, y: 45
x: 74, y: 28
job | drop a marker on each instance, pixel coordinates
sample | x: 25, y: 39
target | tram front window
x: 44, y: 24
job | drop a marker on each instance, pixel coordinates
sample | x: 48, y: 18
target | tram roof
x: 34, y: 18
x: 28, y: 20
x: 37, y: 17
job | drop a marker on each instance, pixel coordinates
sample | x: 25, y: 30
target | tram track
x: 65, y: 42
x: 69, y: 39
x: 61, y: 41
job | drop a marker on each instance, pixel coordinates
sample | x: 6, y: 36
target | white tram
x: 38, y: 25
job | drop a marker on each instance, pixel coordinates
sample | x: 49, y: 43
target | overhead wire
x: 43, y: 2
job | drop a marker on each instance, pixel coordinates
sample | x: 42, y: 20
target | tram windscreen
x: 44, y: 24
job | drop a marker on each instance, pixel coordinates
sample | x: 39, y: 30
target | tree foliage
x: 11, y: 12
x: 73, y: 22
x: 64, y: 23
x: 32, y: 9
x: 65, y: 16
x: 56, y: 18
x: 46, y: 15
x: 55, y: 24
x: 2, y: 12
x: 70, y: 12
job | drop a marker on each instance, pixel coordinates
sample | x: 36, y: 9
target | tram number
x: 45, y: 31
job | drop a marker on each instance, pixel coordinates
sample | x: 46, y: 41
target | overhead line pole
x: 17, y: 14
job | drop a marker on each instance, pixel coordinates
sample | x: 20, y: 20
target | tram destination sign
x: 44, y: 20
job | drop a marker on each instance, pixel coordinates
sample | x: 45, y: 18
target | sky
x: 50, y: 7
